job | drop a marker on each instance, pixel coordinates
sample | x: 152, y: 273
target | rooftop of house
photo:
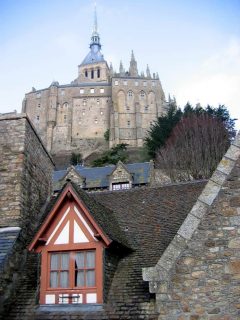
x: 147, y: 219
x: 8, y: 237
x: 98, y: 177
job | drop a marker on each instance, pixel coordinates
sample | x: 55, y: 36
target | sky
x: 193, y: 45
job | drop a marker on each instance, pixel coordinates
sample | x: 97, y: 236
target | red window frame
x: 59, y: 269
x: 72, y: 269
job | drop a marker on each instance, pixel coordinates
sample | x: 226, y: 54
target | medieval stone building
x: 75, y: 116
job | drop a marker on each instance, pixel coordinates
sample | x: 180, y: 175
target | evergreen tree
x: 161, y: 130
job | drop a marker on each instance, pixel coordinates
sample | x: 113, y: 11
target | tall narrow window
x: 98, y: 73
x: 59, y: 270
x: 86, y: 74
x: 85, y: 269
x: 130, y: 93
x: 92, y: 74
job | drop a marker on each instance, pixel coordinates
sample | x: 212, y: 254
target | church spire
x: 121, y: 69
x: 95, y: 39
x: 133, y: 71
x: 95, y: 26
x: 148, y: 72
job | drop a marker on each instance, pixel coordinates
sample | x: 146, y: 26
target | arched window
x: 130, y: 94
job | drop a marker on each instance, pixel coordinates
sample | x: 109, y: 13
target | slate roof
x: 104, y: 217
x: 97, y: 177
x: 92, y: 57
x: 8, y: 236
x: 149, y: 219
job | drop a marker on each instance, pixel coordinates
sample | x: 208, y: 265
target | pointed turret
x: 121, y: 69
x: 148, y: 72
x: 133, y: 71
x: 111, y: 69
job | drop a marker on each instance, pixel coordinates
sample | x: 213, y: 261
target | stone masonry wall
x: 25, y: 183
x: 24, y: 166
x: 198, y: 276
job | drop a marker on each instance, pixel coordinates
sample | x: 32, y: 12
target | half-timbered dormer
x: 71, y: 244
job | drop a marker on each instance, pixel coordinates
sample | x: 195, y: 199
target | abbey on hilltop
x: 75, y: 116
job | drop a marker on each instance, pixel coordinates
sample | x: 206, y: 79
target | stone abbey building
x: 75, y: 116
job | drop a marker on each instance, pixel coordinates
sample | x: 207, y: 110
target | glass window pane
x: 79, y: 260
x: 79, y: 278
x: 64, y: 279
x: 90, y: 263
x: 65, y: 261
x: 53, y: 279
x: 90, y: 278
x: 54, y: 261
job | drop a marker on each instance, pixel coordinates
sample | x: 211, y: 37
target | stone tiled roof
x: 8, y: 237
x: 149, y: 219
x: 104, y: 217
x: 97, y: 177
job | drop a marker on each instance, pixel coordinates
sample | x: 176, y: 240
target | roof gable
x: 60, y: 219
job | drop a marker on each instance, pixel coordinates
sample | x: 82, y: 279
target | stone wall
x: 70, y: 117
x: 137, y: 102
x: 25, y: 183
x: 198, y: 275
x: 25, y: 165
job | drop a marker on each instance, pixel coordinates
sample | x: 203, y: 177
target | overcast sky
x: 193, y: 45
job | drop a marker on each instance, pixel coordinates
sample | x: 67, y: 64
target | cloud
x: 216, y: 81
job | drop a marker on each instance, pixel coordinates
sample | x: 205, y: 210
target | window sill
x: 89, y: 307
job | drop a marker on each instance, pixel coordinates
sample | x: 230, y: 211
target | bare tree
x: 195, y: 147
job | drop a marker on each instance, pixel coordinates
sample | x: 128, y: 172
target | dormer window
x: 71, y: 264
